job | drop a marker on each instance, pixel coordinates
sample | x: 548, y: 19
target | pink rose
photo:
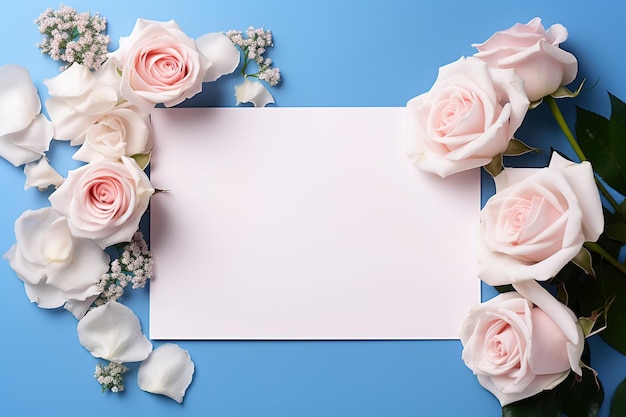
x: 537, y: 221
x: 534, y: 53
x: 104, y: 200
x: 161, y: 64
x: 468, y: 117
x: 516, y: 349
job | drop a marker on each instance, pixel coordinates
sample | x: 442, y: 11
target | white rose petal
x: 253, y: 92
x: 55, y: 266
x: 25, y: 133
x: 167, y: 371
x: 41, y: 175
x: 19, y: 101
x: 113, y: 332
x: 77, y: 99
x: 221, y: 53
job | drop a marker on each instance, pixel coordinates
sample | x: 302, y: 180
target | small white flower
x: 167, y: 371
x: 113, y: 332
x: 253, y: 92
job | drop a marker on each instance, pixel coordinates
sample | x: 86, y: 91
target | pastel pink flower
x: 104, y: 200
x: 538, y: 221
x: 469, y: 116
x: 517, y: 349
x: 161, y: 64
x: 534, y: 53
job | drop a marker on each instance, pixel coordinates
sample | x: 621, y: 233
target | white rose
x: 122, y: 131
x: 537, y: 221
x: 55, y: 266
x: 469, y: 116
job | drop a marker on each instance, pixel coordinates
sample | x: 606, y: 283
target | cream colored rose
x: 161, y: 64
x: 537, y: 221
x: 534, y: 53
x: 56, y: 266
x: 516, y: 349
x: 104, y: 200
x: 469, y: 116
x: 123, y: 131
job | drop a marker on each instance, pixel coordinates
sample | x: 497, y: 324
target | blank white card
x: 305, y: 223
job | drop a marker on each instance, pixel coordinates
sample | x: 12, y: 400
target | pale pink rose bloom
x: 469, y: 116
x: 104, y: 200
x: 516, y: 349
x: 56, y: 266
x: 25, y: 133
x: 161, y: 64
x: 534, y: 53
x: 537, y: 221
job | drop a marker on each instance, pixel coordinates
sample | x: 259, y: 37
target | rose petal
x: 40, y: 174
x: 19, y: 101
x: 253, y: 92
x: 167, y: 371
x: 221, y: 52
x: 113, y: 332
x: 29, y: 144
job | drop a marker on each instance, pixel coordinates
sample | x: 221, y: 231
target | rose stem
x: 592, y: 246
x: 595, y: 247
x: 556, y: 112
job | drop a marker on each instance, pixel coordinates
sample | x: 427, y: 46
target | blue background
x: 331, y: 53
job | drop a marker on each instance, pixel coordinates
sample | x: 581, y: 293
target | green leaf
x: 580, y: 397
x: 608, y: 287
x: 516, y: 148
x: 583, y: 261
x: 494, y: 167
x: 618, y: 404
x: 602, y: 142
x: 543, y: 404
x: 564, y: 92
x: 142, y: 159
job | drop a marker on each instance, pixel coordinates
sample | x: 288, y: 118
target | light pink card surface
x: 305, y: 223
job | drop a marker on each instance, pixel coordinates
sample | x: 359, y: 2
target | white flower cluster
x: 253, y: 46
x: 133, y: 267
x: 110, y: 376
x: 73, y: 37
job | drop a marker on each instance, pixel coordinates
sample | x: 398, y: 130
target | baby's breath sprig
x: 254, y: 45
x: 111, y: 376
x: 73, y: 37
x: 133, y: 267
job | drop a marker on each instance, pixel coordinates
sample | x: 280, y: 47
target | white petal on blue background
x: 167, y: 371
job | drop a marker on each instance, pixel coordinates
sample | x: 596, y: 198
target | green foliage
x: 604, y: 142
x: 618, y: 404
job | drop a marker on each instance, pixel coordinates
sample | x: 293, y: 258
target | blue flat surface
x: 331, y: 53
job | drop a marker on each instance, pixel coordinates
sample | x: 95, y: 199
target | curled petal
x: 167, y: 371
x: 29, y: 144
x: 113, y: 332
x: 40, y: 174
x: 19, y: 102
x: 253, y: 92
x: 221, y: 52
